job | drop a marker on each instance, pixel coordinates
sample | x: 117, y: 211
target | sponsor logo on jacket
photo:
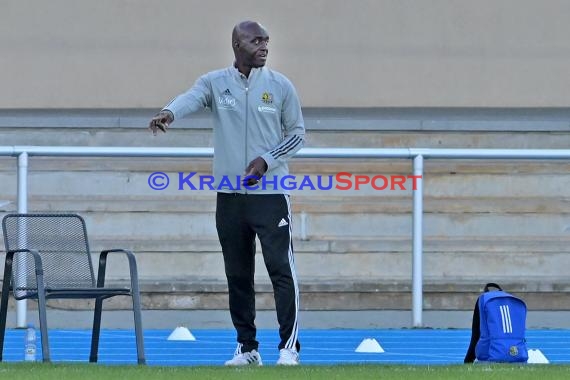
x: 266, y: 109
x: 226, y: 100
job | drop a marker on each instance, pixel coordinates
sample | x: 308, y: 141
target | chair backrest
x: 60, y: 239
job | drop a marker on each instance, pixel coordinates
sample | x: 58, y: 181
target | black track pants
x: 239, y: 217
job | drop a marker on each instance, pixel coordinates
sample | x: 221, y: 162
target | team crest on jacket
x: 267, y: 97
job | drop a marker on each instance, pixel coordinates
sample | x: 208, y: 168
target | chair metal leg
x: 138, y: 327
x: 93, y: 355
x: 4, y: 301
x: 95, y: 333
x: 42, y: 310
x: 135, y: 292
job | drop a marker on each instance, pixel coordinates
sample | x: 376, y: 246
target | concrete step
x: 124, y: 168
x: 379, y: 266
x: 372, y: 266
x: 166, y: 225
x: 452, y: 184
x: 353, y: 261
x: 82, y: 134
x: 198, y: 294
x: 381, y: 262
x: 297, y: 165
x: 335, y: 226
x: 205, y: 203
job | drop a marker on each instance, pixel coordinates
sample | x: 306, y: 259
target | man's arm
x: 196, y: 98
x: 294, y: 138
x: 294, y: 130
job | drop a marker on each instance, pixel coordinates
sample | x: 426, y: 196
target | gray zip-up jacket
x: 256, y: 116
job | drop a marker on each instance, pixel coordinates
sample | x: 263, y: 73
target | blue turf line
x: 213, y: 347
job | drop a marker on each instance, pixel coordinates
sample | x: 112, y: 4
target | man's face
x: 252, y: 46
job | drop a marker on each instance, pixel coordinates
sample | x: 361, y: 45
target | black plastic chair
x: 48, y: 257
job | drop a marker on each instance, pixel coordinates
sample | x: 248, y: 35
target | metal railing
x: 416, y: 154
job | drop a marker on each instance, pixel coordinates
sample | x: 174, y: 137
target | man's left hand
x: 254, y: 171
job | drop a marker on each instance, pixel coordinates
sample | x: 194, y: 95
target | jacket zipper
x: 246, y: 113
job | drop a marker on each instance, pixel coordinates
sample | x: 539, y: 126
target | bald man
x: 258, y: 127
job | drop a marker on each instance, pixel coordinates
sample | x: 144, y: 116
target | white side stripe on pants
x: 292, y: 341
x: 506, y: 319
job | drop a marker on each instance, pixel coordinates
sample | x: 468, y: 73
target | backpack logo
x: 513, y: 351
x: 506, y: 319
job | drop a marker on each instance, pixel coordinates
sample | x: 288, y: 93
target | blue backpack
x: 498, y: 329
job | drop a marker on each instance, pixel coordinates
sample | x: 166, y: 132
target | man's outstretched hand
x: 254, y: 171
x: 161, y: 121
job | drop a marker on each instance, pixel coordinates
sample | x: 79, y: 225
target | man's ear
x: 236, y: 44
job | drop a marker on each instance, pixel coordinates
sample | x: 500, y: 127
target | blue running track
x: 319, y: 347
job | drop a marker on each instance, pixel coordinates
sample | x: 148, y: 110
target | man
x: 258, y: 126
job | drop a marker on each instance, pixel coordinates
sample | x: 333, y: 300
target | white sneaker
x: 244, y: 358
x: 288, y: 356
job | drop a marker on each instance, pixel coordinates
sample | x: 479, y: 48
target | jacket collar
x: 254, y: 73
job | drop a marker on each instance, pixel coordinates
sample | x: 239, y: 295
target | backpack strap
x: 491, y: 285
x: 475, y: 335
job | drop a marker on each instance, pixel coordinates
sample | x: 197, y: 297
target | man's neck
x: 245, y: 70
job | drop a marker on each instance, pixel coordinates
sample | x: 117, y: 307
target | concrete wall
x: 363, y: 53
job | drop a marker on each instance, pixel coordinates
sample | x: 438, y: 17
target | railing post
x: 22, y: 305
x: 417, y: 240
